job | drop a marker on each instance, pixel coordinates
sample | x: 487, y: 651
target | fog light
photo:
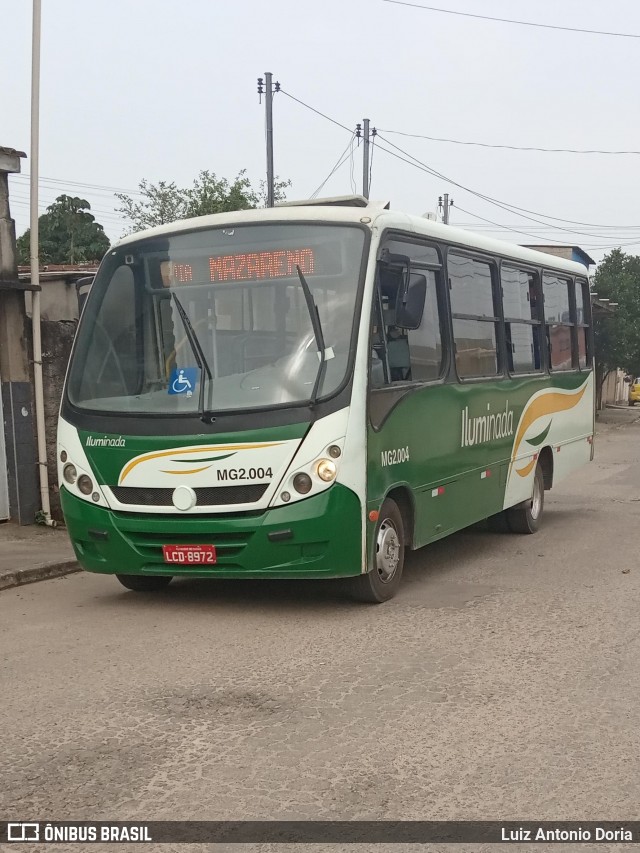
x: 326, y: 470
x: 84, y: 484
x: 69, y: 473
x: 302, y: 483
x: 95, y: 497
x: 63, y: 456
x: 334, y: 451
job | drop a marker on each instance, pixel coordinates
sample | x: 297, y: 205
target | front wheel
x: 525, y: 517
x: 383, y: 580
x: 145, y: 583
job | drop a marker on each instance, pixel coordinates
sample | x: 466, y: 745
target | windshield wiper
x: 317, y: 331
x: 197, y: 351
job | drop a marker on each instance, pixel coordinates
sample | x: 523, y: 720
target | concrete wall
x: 57, y: 339
x: 58, y: 299
x: 615, y: 391
x: 16, y: 387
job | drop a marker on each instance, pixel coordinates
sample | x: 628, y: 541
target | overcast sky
x: 153, y: 89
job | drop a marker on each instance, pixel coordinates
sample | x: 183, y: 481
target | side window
x: 523, y: 328
x: 583, y: 304
x: 425, y: 343
x: 559, y: 321
x: 398, y: 354
x: 111, y: 368
x: 475, y: 319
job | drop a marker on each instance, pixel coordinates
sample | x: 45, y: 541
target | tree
x: 68, y: 234
x: 617, y: 335
x: 166, y: 202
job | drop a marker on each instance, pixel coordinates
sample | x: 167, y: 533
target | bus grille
x: 211, y: 496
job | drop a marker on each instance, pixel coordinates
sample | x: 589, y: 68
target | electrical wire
x: 341, y: 159
x: 512, y: 21
x: 373, y: 146
x: 498, y: 225
x: 352, y: 167
x: 44, y: 180
x: 509, y: 147
x: 537, y: 236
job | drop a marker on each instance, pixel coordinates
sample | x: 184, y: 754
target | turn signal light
x: 302, y: 483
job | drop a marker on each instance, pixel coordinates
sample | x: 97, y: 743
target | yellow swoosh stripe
x: 210, y: 449
x: 548, y: 404
x: 527, y: 468
x: 188, y: 470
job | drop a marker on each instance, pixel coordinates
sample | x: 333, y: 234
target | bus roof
x: 376, y: 215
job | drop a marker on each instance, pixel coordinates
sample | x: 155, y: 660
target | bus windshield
x: 218, y: 320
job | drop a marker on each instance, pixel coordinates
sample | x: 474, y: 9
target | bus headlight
x: 326, y: 470
x: 70, y: 473
x: 85, y: 484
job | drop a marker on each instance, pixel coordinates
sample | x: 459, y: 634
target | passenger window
x: 559, y: 321
x: 522, y: 320
x: 474, y: 317
x: 583, y: 304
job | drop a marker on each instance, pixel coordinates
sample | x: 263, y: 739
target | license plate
x: 189, y: 555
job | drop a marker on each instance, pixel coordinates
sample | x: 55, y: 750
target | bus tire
x: 499, y: 523
x: 145, y: 583
x: 525, y: 517
x: 382, y: 581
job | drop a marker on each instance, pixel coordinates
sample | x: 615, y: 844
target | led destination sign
x: 245, y: 266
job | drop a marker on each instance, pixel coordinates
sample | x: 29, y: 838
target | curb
x: 38, y: 573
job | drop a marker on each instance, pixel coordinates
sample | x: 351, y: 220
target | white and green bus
x: 308, y: 391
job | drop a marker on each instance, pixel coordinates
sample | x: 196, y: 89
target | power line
x: 512, y: 21
x: 508, y: 147
x: 413, y: 161
x: 497, y: 224
x: 537, y: 236
x: 44, y: 179
x: 511, y: 208
x: 314, y: 110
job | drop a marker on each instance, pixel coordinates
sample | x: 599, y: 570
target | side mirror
x: 410, y: 305
x: 394, y: 273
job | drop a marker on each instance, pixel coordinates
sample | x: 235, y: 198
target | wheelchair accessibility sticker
x: 183, y: 380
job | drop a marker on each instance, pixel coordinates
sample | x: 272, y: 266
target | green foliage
x: 617, y: 335
x: 69, y: 234
x: 166, y: 202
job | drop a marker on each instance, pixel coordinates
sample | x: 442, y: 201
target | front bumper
x: 325, y: 540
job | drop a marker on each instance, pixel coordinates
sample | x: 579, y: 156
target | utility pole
x: 365, y: 160
x: 366, y: 137
x: 267, y: 88
x: 445, y: 206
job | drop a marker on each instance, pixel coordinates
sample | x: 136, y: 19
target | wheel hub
x: 536, y: 500
x: 387, y: 551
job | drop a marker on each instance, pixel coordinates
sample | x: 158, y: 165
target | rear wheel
x: 525, y: 517
x: 145, y: 583
x: 383, y: 580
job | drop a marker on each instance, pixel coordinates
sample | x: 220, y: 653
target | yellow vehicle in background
x: 634, y: 391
